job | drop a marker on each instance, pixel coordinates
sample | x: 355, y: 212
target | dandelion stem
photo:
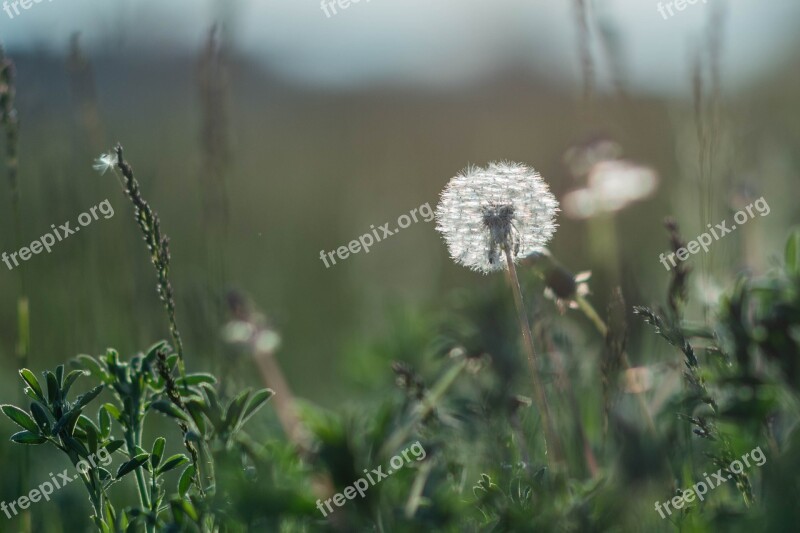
x: 551, y: 436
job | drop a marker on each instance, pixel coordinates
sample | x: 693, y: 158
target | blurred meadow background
x: 265, y: 132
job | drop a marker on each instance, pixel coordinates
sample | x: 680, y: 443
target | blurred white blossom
x: 612, y: 185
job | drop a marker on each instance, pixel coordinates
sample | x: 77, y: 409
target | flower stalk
x: 551, y: 436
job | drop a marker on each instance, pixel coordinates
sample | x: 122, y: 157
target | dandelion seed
x: 105, y: 162
x: 484, y: 211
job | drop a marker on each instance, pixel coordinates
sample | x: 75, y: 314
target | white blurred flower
x: 483, y: 211
x: 612, y: 185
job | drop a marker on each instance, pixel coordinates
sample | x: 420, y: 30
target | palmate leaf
x: 20, y: 417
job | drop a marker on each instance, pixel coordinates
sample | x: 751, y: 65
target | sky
x: 433, y: 43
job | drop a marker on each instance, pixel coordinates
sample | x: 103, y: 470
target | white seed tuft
x: 484, y: 210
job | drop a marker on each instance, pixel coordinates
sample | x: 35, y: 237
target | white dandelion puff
x: 105, y: 162
x: 484, y: 211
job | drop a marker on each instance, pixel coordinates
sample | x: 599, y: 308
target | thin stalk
x: 551, y: 437
x: 130, y: 441
x: 594, y: 317
x: 566, y: 388
x: 427, y: 405
x: 591, y: 314
x: 133, y: 439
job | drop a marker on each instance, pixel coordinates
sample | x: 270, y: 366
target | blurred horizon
x: 458, y: 42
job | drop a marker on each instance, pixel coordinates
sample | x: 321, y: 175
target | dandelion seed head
x: 105, y: 162
x: 484, y: 210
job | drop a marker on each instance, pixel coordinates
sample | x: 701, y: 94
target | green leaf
x: 168, y: 408
x: 84, y: 399
x: 92, y: 436
x: 113, y: 411
x: 105, y: 421
x: 86, y: 423
x: 114, y: 445
x: 53, y: 390
x: 42, y: 417
x: 185, y: 481
x: 195, y: 379
x: 195, y: 408
x: 211, y: 406
x: 235, y: 410
x: 173, y: 462
x: 32, y: 382
x: 103, y: 474
x: 152, y: 352
x: 158, y: 451
x: 112, y: 357
x: 181, y: 508
x: 32, y: 395
x: 76, y: 445
x: 60, y: 375
x: 20, y: 417
x: 95, y: 369
x: 67, y: 421
x: 256, y: 402
x: 70, y: 380
x: 26, y: 437
x: 133, y: 464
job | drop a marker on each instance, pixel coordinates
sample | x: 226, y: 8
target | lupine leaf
x: 133, y: 464
x: 20, y: 417
x: 33, y: 383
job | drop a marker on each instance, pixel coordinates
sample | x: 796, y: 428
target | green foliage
x: 137, y: 388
